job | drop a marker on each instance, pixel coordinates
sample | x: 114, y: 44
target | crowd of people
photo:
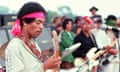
x: 90, y: 31
x: 24, y: 55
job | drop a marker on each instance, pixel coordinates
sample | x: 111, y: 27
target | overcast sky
x: 79, y: 7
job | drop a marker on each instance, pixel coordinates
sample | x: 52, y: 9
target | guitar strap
x: 93, y: 40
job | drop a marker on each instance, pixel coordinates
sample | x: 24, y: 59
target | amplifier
x: 8, y: 19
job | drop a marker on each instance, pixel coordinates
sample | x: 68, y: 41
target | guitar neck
x: 98, y: 54
x: 56, y: 48
x: 55, y: 44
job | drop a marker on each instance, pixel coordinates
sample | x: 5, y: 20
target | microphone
x: 71, y: 49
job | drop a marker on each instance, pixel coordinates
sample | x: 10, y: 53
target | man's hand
x: 52, y: 62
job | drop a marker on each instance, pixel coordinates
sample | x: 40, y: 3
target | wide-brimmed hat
x: 93, y: 8
x: 111, y: 17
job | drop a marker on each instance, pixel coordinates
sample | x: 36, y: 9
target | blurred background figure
x: 110, y: 20
x: 63, y: 18
x: 67, y: 38
x: 60, y: 30
x: 77, y: 25
x: 101, y: 36
x: 56, y: 20
x: 94, y: 14
x: 118, y: 22
x: 2, y: 54
x: 112, y: 62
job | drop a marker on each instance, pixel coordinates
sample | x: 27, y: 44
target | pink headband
x: 34, y: 15
x: 16, y: 30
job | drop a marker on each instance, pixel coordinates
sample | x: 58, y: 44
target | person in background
x: 78, y: 30
x: 101, y: 36
x: 94, y: 14
x: 60, y: 30
x: 55, y: 22
x: 63, y: 18
x: 112, y: 62
x: 87, y: 40
x: 77, y: 26
x: 23, y: 53
x: 110, y: 20
x: 118, y: 22
x: 2, y: 54
x: 114, y: 65
x: 67, y: 38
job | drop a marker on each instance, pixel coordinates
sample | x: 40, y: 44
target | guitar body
x: 89, y: 62
x: 81, y: 62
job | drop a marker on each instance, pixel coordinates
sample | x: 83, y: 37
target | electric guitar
x: 92, y: 58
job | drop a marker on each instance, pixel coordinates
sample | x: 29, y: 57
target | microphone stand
x: 117, y: 35
x: 118, y: 43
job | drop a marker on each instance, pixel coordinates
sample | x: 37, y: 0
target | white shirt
x: 101, y: 37
x: 20, y: 59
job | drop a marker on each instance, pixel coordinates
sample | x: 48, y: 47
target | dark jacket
x: 86, y: 44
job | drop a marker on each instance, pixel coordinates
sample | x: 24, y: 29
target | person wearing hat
x: 93, y: 11
x: 23, y: 53
x: 113, y: 65
x: 111, y: 61
x: 86, y: 38
x: 103, y: 40
x: 111, y: 20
